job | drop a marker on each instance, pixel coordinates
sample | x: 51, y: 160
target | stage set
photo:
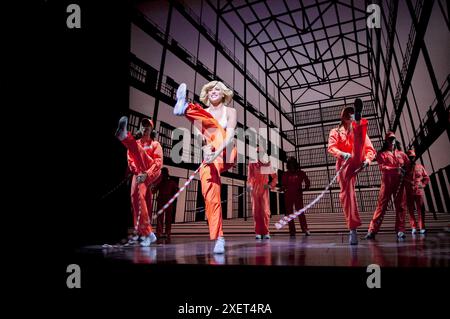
x: 275, y: 135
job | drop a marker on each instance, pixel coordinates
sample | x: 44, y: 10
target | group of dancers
x: 402, y: 178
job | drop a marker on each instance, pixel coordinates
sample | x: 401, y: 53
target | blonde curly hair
x: 227, y: 93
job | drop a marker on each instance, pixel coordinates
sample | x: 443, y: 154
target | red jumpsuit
x: 293, y: 196
x: 415, y: 180
x: 260, y: 195
x: 166, y: 189
x: 143, y: 157
x: 357, y: 143
x: 210, y: 173
x: 389, y: 163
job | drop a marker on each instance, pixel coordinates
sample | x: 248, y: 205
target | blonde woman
x: 217, y: 124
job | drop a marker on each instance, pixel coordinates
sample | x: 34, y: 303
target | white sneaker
x: 266, y: 236
x: 147, y: 241
x: 422, y: 231
x: 413, y: 231
x: 258, y: 237
x: 353, y: 238
x: 401, y: 235
x: 181, y: 105
x: 219, y: 247
x: 307, y: 233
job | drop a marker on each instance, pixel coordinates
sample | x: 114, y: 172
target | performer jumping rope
x: 166, y: 188
x: 392, y: 162
x: 349, y: 142
x: 258, y: 185
x: 145, y: 158
x: 292, y: 182
x: 217, y: 124
x: 416, y: 179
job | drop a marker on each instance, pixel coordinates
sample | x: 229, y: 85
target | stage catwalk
x: 318, y: 250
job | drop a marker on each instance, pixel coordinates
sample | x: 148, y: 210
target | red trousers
x: 164, y: 218
x: 261, y: 209
x: 347, y: 179
x: 389, y: 185
x: 295, y: 201
x: 141, y: 196
x: 210, y: 173
x: 415, y: 202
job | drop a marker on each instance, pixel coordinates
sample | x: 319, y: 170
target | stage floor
x: 327, y: 250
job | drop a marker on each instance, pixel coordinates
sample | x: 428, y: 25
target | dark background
x: 87, y: 86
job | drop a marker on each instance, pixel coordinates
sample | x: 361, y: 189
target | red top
x: 167, y: 188
x: 416, y: 179
x: 340, y: 140
x: 292, y: 182
x: 258, y: 175
x: 390, y: 161
x: 154, y: 150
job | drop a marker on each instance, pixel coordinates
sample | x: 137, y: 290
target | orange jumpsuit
x: 357, y: 143
x: 210, y: 173
x: 293, y: 196
x: 260, y: 196
x: 415, y: 180
x: 143, y: 157
x: 166, y: 189
x: 389, y: 163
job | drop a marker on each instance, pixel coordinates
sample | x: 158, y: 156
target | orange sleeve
x: 333, y: 144
x: 369, y: 150
x: 155, y: 167
x: 131, y: 165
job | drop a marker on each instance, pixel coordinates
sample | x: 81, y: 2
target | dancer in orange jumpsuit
x: 392, y: 163
x: 349, y: 141
x: 416, y: 179
x: 217, y: 123
x: 258, y: 185
x: 291, y: 183
x: 166, y: 188
x: 145, y: 159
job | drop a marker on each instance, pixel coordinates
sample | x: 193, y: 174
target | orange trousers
x: 164, y: 218
x: 141, y: 196
x: 261, y: 209
x: 347, y: 179
x: 210, y: 173
x: 389, y: 185
x: 415, y: 202
x: 296, y: 200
